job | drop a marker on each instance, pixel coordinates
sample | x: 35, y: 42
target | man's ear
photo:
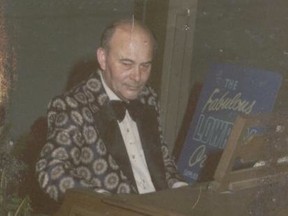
x: 101, y: 57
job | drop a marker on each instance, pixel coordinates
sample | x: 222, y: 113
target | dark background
x: 53, y: 40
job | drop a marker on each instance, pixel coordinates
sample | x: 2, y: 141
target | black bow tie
x: 133, y: 107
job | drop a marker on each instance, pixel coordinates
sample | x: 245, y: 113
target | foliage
x: 11, y: 170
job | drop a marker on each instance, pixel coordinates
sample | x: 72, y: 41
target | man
x: 89, y: 143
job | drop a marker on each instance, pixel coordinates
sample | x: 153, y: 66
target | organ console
x: 257, y: 187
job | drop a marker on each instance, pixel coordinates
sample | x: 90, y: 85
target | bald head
x: 130, y: 26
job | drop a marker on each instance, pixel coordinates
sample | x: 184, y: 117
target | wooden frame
x: 255, y: 159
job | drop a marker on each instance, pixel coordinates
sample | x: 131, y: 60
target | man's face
x: 126, y: 65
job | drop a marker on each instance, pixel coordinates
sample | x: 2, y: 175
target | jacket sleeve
x: 173, y: 177
x: 59, y: 157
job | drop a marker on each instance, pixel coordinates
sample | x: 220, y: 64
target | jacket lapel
x: 150, y: 139
x: 109, y: 131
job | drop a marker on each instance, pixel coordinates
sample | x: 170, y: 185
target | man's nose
x: 136, y: 74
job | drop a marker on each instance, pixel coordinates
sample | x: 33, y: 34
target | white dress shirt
x: 134, y: 148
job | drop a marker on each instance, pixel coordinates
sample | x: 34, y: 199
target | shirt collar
x: 110, y: 93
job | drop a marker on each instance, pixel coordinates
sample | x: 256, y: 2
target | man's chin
x: 130, y: 97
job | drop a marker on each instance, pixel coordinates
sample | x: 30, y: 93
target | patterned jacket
x: 85, y: 148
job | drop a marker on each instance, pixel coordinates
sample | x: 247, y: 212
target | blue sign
x: 228, y: 90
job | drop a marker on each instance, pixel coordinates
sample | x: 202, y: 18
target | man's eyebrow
x: 126, y: 60
x: 131, y: 61
x: 147, y: 63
